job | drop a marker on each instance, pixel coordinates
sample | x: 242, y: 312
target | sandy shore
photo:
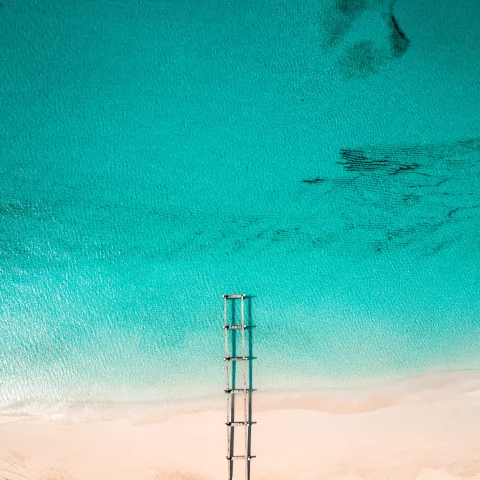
x: 425, y: 428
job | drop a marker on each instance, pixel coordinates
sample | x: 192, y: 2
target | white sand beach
x: 425, y: 428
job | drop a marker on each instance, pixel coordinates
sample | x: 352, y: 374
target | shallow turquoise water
x: 155, y: 155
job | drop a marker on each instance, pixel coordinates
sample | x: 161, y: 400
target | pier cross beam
x: 233, y: 322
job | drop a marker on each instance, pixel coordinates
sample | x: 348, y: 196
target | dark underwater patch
x: 313, y: 180
x: 351, y: 7
x: 339, y: 17
x: 399, y: 40
x: 361, y: 59
x: 411, y: 196
x: 366, y: 56
x: 355, y: 160
x: 422, y: 198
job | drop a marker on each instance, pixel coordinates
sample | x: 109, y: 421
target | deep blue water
x: 323, y: 157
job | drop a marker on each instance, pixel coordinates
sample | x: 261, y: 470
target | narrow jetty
x: 237, y: 386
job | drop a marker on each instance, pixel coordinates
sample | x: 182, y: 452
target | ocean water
x: 322, y: 157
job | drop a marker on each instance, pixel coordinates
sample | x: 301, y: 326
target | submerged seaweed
x: 415, y: 195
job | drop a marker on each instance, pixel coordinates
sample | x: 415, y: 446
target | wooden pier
x: 233, y: 322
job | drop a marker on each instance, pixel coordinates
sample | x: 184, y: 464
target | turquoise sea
x: 320, y: 156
